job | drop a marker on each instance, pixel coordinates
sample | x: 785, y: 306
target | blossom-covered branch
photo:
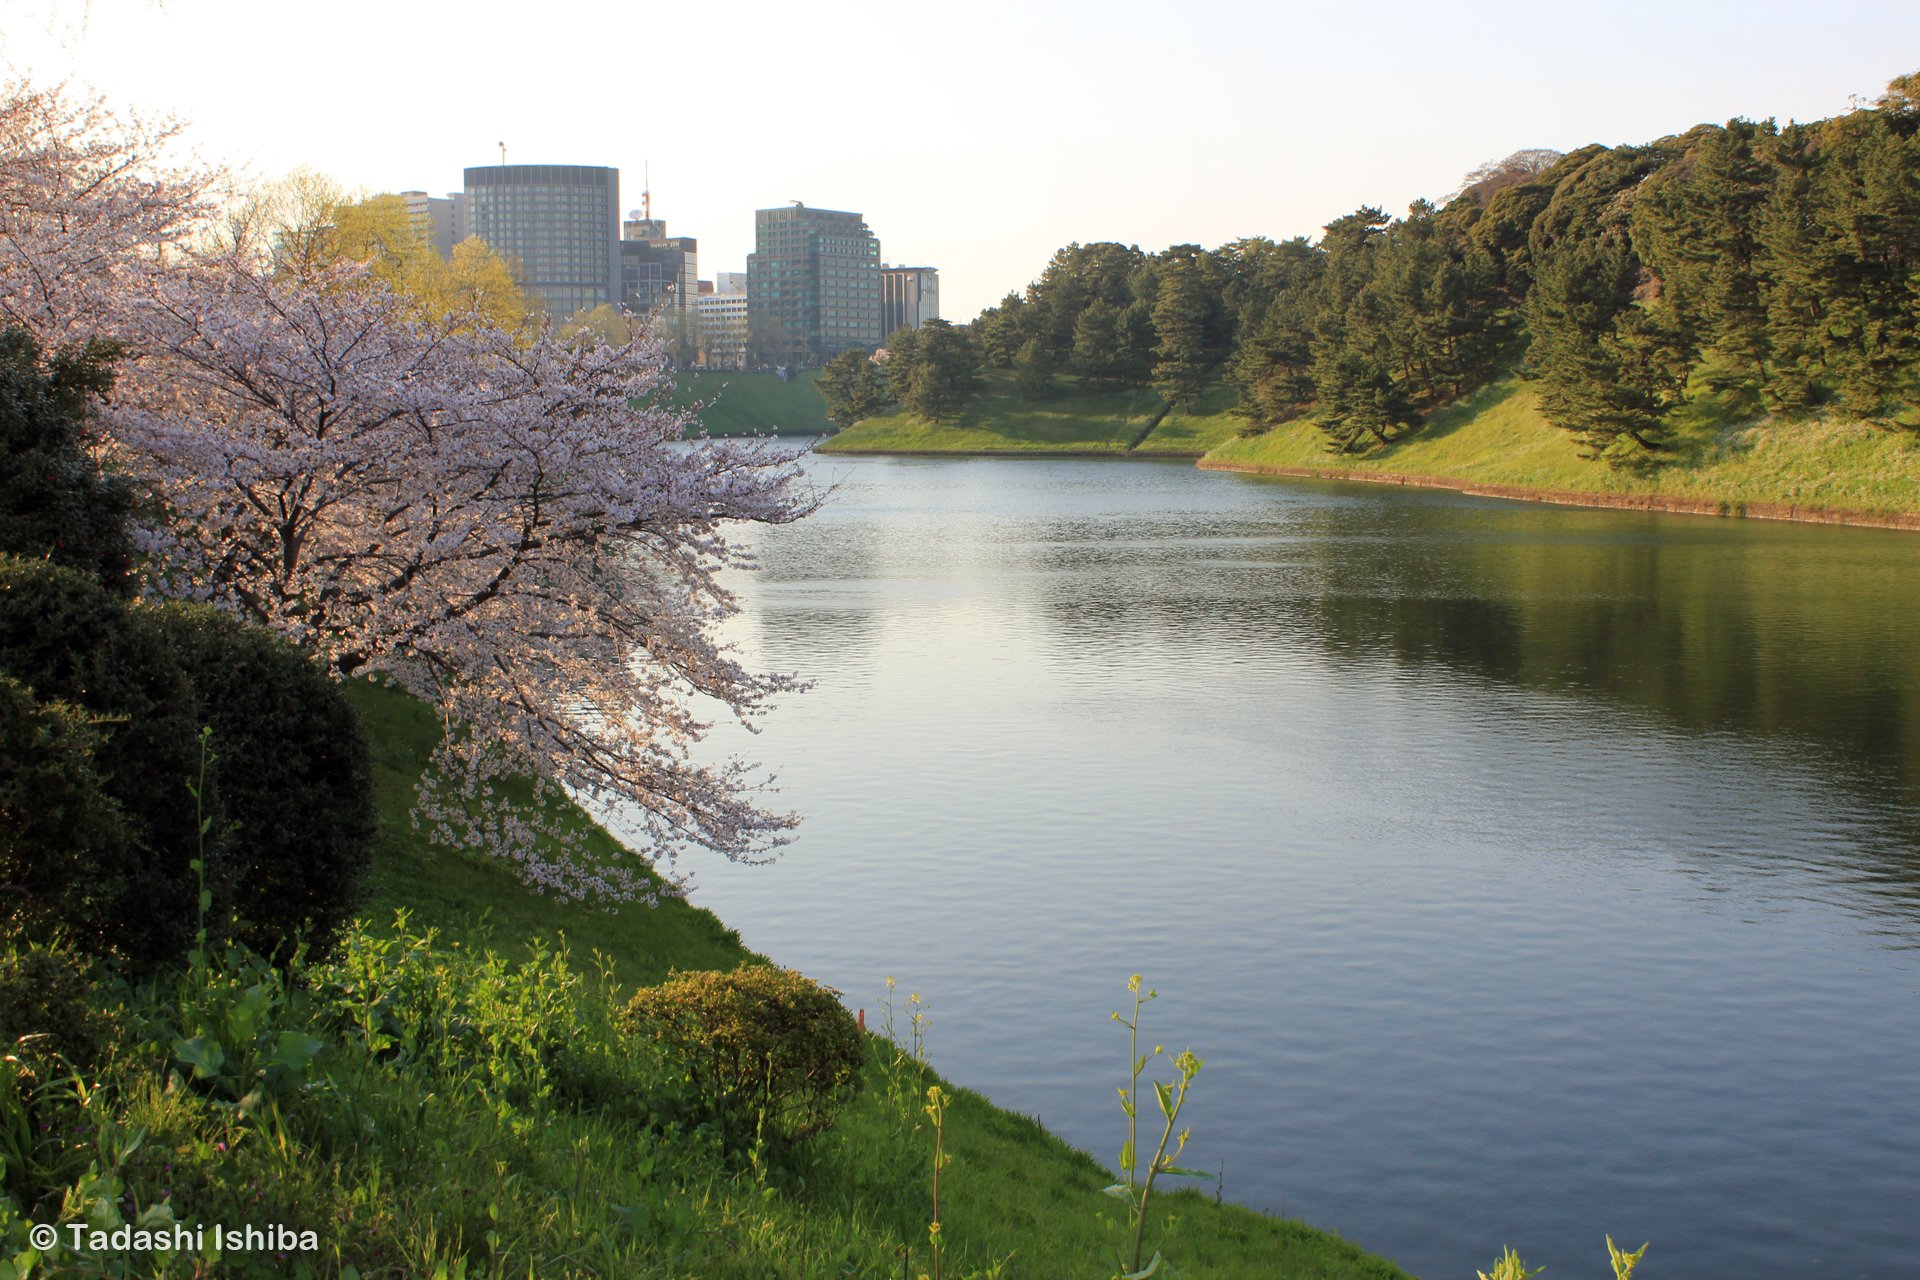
x: 88, y: 216
x: 510, y: 526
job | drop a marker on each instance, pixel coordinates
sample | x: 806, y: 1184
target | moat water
x: 1524, y: 874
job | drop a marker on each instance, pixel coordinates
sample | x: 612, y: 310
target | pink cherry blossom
x: 508, y: 525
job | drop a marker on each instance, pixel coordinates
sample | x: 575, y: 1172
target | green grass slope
x: 750, y: 404
x: 469, y: 895
x: 1498, y: 436
x: 1071, y: 420
x: 1014, y: 1189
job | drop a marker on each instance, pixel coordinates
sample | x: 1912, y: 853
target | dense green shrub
x: 49, y: 999
x: 762, y: 1046
x: 294, y: 775
x: 68, y: 639
x: 55, y: 500
x: 63, y: 851
x: 288, y: 793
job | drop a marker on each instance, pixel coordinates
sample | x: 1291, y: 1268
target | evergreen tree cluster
x: 931, y: 372
x: 1116, y: 317
x: 1779, y: 265
x: 1369, y: 326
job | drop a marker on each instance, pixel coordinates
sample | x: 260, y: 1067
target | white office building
x: 723, y: 322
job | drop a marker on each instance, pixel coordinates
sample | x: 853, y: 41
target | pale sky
x: 976, y: 137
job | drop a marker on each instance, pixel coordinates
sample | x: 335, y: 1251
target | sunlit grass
x: 1070, y: 420
x: 1498, y: 436
x: 465, y: 894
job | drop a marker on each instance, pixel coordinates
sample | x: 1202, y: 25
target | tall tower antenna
x: 646, y: 193
x: 503, y: 155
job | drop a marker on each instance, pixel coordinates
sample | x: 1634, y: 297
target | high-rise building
x: 730, y: 282
x: 909, y: 296
x: 439, y: 218
x: 557, y: 224
x: 659, y: 270
x: 813, y: 285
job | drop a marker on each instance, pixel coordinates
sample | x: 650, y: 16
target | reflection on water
x: 1524, y: 874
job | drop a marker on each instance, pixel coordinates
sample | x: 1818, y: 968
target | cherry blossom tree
x: 507, y: 525
x: 89, y: 214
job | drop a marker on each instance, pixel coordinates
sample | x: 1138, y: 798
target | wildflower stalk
x: 1135, y: 1188
x: 937, y: 1112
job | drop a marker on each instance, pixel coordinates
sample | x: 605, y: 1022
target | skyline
x: 1244, y: 120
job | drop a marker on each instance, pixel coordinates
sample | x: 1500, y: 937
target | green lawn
x: 1013, y: 1189
x: 751, y: 404
x: 1071, y: 420
x: 1498, y: 436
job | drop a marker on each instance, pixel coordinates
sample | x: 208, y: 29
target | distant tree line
x: 1777, y: 265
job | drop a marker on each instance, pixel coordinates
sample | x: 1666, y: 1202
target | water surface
x: 1524, y: 874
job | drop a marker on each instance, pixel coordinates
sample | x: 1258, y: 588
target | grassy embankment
x: 1013, y: 1189
x: 752, y: 404
x: 1497, y: 436
x: 1071, y: 421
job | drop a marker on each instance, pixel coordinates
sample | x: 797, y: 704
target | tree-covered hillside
x: 1774, y: 265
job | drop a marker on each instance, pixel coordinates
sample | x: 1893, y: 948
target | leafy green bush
x: 759, y: 1045
x: 112, y: 696
x: 47, y: 994
x: 63, y: 851
x: 68, y: 639
x: 55, y: 501
x: 294, y: 776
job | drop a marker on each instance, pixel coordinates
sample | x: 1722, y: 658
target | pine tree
x: 853, y: 387
x: 1273, y: 368
x: 902, y: 349
x: 1005, y: 330
x: 1183, y: 357
x: 1032, y: 371
x: 1608, y: 371
x: 1096, y: 345
x: 945, y: 373
x: 1697, y: 227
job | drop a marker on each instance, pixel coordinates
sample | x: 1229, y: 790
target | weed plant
x: 1135, y: 1187
x: 1508, y: 1265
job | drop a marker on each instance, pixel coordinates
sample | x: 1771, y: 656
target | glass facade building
x: 909, y: 296
x: 657, y: 270
x: 557, y: 225
x: 813, y: 285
